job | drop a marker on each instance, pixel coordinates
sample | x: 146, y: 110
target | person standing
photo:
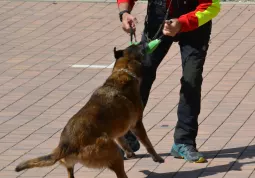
x: 189, y: 22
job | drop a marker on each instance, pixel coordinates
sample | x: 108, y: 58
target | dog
x: 92, y: 136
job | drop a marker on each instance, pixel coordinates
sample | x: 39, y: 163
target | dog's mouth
x: 136, y: 51
x: 148, y: 47
x: 141, y: 47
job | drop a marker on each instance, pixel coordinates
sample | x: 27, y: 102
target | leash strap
x: 132, y: 35
x: 161, y: 26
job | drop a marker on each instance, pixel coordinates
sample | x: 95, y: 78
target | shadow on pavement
x: 240, y: 153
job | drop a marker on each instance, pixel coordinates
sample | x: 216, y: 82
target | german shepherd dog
x: 91, y: 137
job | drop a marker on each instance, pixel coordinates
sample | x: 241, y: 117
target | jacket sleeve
x: 130, y: 2
x: 205, y: 11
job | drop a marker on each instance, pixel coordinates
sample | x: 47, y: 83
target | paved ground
x: 40, y: 90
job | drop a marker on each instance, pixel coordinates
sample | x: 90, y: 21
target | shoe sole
x: 175, y: 154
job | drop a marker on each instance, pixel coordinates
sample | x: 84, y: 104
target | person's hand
x: 171, y: 27
x: 128, y: 21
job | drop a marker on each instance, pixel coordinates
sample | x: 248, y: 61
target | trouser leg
x: 150, y: 66
x: 193, y: 56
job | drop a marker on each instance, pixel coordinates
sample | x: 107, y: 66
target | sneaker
x: 132, y: 141
x: 187, y: 152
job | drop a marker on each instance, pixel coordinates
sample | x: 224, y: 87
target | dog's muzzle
x: 148, y: 47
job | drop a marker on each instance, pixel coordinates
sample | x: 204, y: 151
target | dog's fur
x: 90, y: 136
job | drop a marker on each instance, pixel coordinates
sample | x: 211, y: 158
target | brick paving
x: 40, y: 91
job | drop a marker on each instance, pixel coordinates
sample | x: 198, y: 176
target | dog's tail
x: 43, y: 161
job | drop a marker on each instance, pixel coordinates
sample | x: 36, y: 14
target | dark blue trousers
x: 193, y: 48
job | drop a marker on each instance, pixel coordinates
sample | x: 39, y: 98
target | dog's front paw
x: 130, y: 155
x: 158, y: 159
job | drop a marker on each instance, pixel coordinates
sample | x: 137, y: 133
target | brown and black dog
x: 90, y: 136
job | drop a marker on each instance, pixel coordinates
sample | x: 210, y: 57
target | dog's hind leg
x: 113, y: 158
x: 105, y: 153
x: 121, y: 141
x: 70, y: 172
x: 116, y: 164
x: 69, y: 167
x: 141, y: 134
x: 118, y: 168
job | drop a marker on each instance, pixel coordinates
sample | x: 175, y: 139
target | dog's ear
x: 118, y: 54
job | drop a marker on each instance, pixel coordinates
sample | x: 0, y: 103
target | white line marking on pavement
x: 111, y: 66
x: 93, y: 66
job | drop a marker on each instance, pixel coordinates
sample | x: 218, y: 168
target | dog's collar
x: 128, y: 72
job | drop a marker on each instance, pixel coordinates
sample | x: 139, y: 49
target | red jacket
x: 204, y: 12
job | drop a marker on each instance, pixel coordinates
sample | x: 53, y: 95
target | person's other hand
x: 171, y: 27
x: 128, y: 21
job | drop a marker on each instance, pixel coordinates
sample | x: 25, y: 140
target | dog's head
x: 133, y: 52
x: 131, y: 59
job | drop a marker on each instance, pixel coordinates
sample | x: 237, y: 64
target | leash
x: 160, y: 27
x: 132, y: 32
x: 132, y: 35
x: 151, y: 44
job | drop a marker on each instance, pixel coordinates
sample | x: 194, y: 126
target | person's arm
x: 128, y: 21
x: 126, y: 5
x: 205, y: 11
